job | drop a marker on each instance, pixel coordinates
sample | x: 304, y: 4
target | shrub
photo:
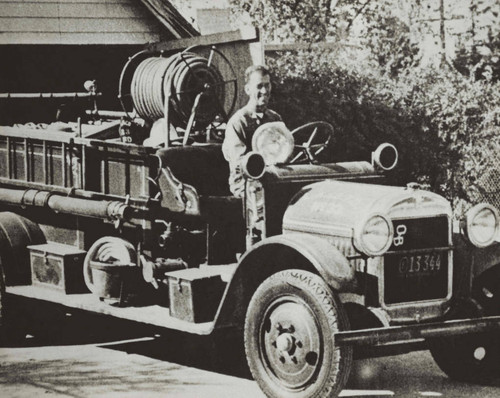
x: 442, y: 122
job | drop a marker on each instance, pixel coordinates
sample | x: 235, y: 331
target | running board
x: 153, y: 315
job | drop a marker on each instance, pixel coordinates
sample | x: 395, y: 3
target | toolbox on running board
x: 58, y: 266
x: 194, y: 294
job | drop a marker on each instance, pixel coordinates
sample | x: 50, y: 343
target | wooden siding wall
x: 78, y: 22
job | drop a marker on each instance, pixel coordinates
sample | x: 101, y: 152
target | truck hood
x: 335, y: 207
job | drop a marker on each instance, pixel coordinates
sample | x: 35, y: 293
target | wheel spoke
x: 223, y: 83
x: 310, y: 156
x: 297, y: 157
x: 311, y: 138
x: 309, y: 149
x: 319, y: 151
x: 322, y: 145
x: 210, y: 57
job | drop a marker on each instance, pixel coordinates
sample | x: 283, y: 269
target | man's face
x: 258, y: 89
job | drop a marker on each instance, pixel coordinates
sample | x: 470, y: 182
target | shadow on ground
x: 87, y: 355
x: 45, y: 325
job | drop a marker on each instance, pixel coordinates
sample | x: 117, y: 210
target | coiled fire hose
x: 186, y: 80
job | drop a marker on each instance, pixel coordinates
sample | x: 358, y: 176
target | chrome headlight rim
x: 382, y: 151
x: 273, y: 135
x: 360, y: 228
x: 468, y: 224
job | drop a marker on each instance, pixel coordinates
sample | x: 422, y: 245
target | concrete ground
x: 102, y: 358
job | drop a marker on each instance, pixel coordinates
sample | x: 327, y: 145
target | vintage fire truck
x: 319, y: 260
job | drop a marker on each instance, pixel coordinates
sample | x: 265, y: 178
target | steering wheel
x: 310, y: 140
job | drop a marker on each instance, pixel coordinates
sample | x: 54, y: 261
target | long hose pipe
x: 180, y: 79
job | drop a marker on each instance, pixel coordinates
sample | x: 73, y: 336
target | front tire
x: 289, y: 344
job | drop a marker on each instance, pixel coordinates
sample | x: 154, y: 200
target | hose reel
x: 189, y: 90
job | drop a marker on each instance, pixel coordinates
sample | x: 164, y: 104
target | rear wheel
x: 13, y: 327
x: 289, y: 342
x: 2, y: 303
x: 474, y: 358
x: 470, y: 358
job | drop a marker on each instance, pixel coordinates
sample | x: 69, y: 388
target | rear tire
x: 474, y: 358
x: 469, y: 358
x: 13, y: 327
x: 289, y: 328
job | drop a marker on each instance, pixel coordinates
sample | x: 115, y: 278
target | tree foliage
x: 478, y: 47
x: 374, y: 86
x: 289, y: 19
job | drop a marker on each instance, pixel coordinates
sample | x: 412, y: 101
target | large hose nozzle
x: 253, y: 165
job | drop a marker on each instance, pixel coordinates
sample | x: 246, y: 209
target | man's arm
x: 234, y: 148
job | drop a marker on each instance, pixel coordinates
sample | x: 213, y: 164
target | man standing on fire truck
x: 242, y: 125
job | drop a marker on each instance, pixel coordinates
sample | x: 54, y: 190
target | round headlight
x: 385, y: 156
x: 481, y: 225
x: 373, y: 237
x: 274, y: 142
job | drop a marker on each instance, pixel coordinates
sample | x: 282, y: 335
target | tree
x: 478, y: 48
x: 379, y: 84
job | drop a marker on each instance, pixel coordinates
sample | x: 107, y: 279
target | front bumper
x: 410, y: 333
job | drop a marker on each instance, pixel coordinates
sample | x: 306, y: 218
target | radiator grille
x: 416, y: 266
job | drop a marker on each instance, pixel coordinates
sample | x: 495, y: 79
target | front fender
x: 486, y: 258
x: 470, y: 262
x: 277, y: 253
x: 326, y: 259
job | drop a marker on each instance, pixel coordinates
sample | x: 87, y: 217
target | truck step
x: 154, y: 315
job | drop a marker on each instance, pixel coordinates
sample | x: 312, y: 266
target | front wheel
x: 289, y: 337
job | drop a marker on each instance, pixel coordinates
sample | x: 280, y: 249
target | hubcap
x: 285, y: 342
x: 291, y: 342
x: 479, y: 353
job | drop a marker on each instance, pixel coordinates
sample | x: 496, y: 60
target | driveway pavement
x: 95, y: 357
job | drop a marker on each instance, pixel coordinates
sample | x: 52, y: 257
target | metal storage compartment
x: 194, y: 294
x: 58, y: 267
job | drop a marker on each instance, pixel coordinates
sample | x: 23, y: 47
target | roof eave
x: 169, y: 17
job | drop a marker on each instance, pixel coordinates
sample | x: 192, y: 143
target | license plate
x: 419, y: 264
x: 411, y: 277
